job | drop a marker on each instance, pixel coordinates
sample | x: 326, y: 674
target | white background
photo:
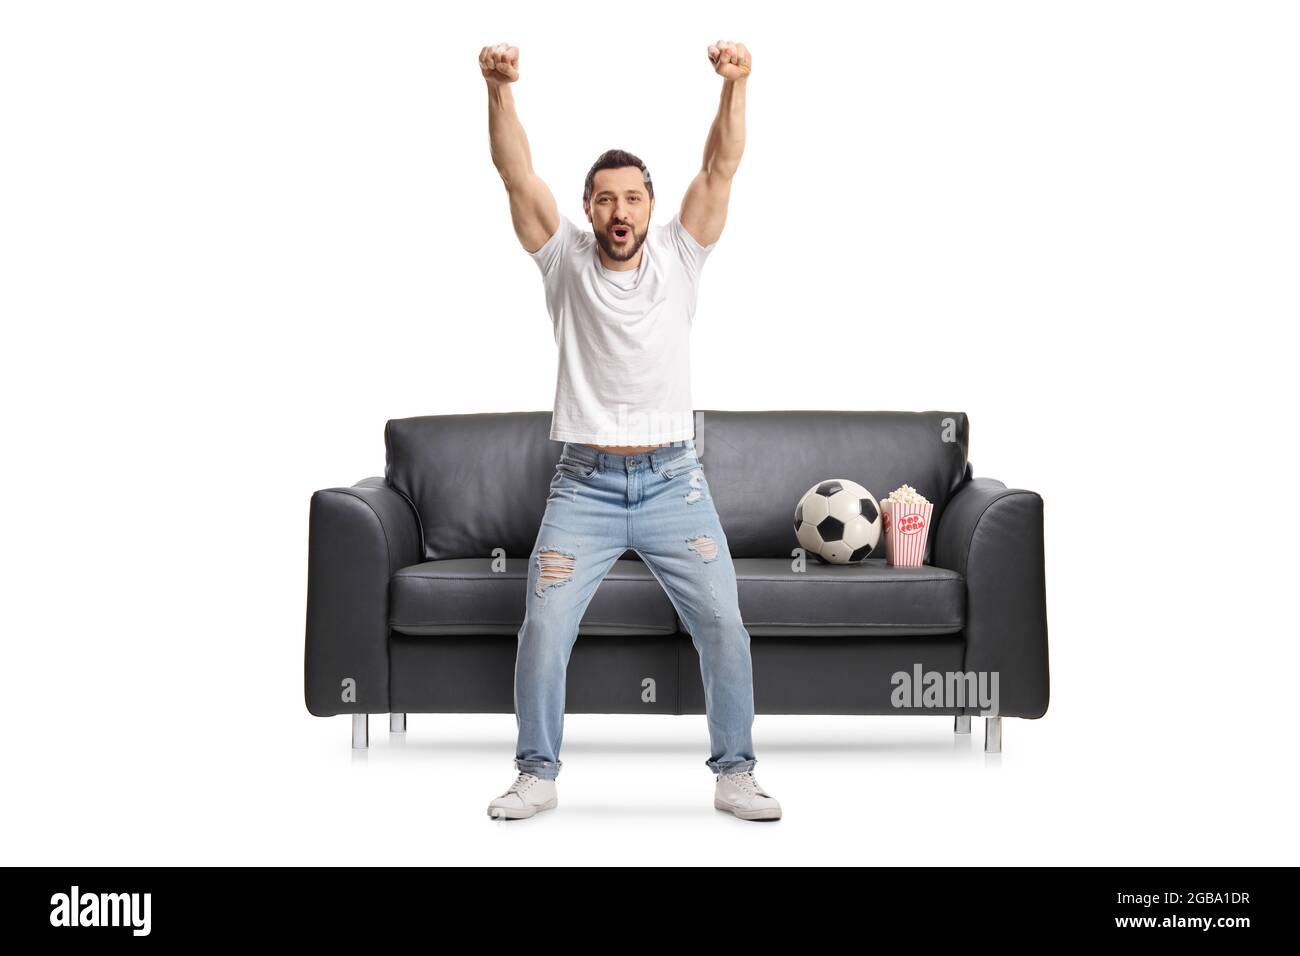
x: 238, y: 237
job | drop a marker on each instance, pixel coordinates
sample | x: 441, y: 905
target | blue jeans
x: 658, y: 504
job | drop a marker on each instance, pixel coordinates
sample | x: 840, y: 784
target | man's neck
x: 615, y: 265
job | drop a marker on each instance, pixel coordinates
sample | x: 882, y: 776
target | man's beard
x: 624, y: 252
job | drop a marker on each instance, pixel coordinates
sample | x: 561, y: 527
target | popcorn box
x: 906, y: 528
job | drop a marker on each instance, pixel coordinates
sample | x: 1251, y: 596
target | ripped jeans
x: 658, y: 504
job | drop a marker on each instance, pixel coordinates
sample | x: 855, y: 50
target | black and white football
x: 838, y: 520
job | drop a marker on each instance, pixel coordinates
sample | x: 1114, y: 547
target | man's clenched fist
x: 500, y: 63
x: 730, y: 60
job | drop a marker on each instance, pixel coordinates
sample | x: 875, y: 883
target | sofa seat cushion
x: 865, y: 599
x: 465, y: 596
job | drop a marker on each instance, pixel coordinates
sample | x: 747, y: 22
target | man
x: 622, y: 299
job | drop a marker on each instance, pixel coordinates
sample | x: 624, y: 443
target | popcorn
x: 906, y: 514
x: 907, y: 495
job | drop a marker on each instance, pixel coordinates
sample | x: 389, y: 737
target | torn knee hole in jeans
x: 553, y: 568
x: 704, y: 546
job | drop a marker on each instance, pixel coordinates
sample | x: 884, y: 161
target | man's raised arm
x: 532, y: 207
x: 704, y: 207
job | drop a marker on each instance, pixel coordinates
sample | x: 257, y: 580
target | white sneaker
x: 742, y: 795
x: 528, y: 794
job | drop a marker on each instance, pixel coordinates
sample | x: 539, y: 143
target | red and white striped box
x: 906, y: 528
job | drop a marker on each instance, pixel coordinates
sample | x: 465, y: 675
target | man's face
x: 620, y: 210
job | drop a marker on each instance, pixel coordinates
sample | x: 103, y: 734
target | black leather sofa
x: 416, y: 580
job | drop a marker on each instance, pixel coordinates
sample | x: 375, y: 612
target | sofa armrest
x: 993, y: 536
x: 358, y: 537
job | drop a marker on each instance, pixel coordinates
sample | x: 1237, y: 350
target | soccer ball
x: 838, y: 521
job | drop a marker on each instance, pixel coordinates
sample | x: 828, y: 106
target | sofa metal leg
x: 360, y: 731
x: 961, y: 724
x: 397, y: 723
x: 993, y: 735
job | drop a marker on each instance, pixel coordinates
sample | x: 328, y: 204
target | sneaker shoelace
x: 521, y: 784
x: 746, y: 782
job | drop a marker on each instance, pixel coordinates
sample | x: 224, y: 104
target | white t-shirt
x: 624, y: 370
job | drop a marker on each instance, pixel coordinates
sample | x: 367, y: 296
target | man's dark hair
x: 616, y: 159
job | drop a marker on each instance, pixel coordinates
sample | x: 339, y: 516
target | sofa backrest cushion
x: 479, y: 481
x: 759, y: 464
